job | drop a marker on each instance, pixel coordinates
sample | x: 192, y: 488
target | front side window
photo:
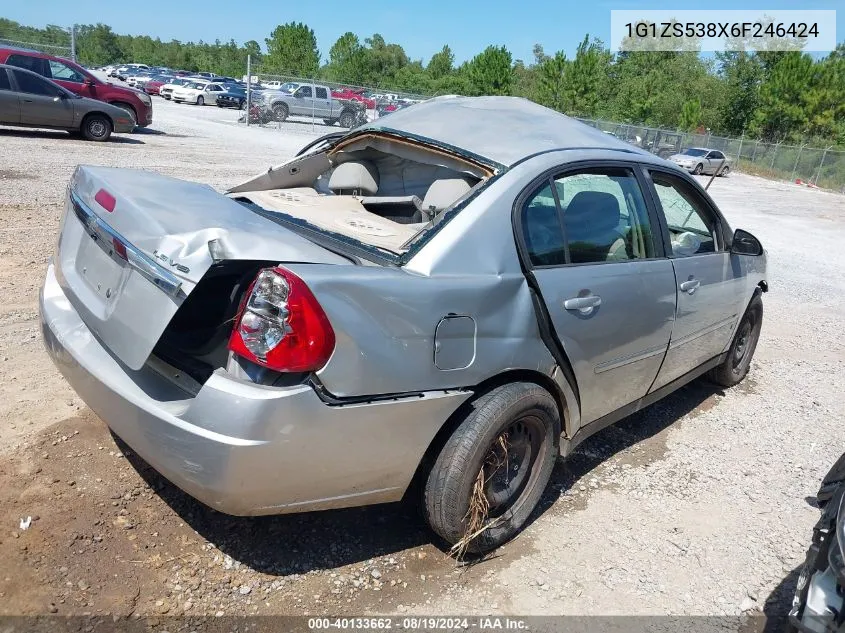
x: 604, y: 219
x: 305, y: 91
x: 692, y: 226
x: 33, y: 85
x: 58, y: 70
x: 4, y: 80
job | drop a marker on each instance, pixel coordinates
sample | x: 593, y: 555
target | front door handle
x: 690, y: 286
x: 584, y: 305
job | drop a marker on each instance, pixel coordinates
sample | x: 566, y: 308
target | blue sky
x: 468, y: 26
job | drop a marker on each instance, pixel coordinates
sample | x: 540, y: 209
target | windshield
x: 694, y: 152
x: 197, y: 86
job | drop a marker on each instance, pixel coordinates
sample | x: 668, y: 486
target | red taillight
x: 281, y: 325
x: 105, y: 200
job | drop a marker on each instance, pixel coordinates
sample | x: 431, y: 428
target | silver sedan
x: 700, y: 160
x: 439, y: 303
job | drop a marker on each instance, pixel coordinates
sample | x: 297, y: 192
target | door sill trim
x: 567, y: 445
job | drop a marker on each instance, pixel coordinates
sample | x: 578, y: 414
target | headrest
x: 591, y: 212
x: 443, y: 193
x: 355, y: 177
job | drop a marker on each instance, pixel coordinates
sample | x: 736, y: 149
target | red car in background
x: 354, y: 95
x: 75, y: 78
x: 153, y: 85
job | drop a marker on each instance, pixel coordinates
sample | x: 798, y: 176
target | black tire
x: 200, y: 100
x: 347, y: 119
x: 96, y: 127
x: 329, y: 121
x: 449, y: 486
x: 698, y: 169
x: 242, y: 105
x: 735, y: 367
x: 280, y: 112
x: 725, y: 170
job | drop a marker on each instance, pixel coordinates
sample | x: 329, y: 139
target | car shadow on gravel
x: 42, y: 134
x: 774, y: 618
x: 293, y: 543
x: 699, y: 395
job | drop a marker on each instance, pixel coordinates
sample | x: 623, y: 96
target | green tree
x: 585, y: 78
x: 97, y: 44
x: 743, y: 74
x: 441, y: 63
x: 292, y: 48
x: 782, y: 113
x: 690, y: 115
x: 490, y: 72
x: 551, y: 84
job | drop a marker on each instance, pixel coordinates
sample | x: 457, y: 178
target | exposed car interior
x: 377, y: 190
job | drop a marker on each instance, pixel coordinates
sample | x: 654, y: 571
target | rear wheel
x: 735, y: 367
x: 347, y: 119
x: 200, y: 100
x: 96, y: 127
x: 494, y: 468
x: 280, y: 112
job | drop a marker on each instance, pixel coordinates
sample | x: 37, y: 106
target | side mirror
x: 88, y: 82
x: 744, y: 243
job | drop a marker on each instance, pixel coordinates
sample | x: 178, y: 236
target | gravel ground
x: 699, y: 505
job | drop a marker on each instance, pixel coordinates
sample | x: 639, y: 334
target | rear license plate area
x: 99, y: 271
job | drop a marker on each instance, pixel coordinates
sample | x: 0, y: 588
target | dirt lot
x: 697, y: 505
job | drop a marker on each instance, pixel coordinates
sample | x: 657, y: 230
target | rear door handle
x: 584, y: 305
x: 690, y: 286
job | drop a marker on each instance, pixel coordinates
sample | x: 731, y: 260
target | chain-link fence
x: 51, y: 49
x: 823, y: 167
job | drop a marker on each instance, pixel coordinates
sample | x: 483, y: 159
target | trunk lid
x: 128, y: 270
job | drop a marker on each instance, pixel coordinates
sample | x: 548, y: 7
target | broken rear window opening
x: 376, y: 193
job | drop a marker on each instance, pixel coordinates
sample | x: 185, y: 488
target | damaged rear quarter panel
x: 385, y: 321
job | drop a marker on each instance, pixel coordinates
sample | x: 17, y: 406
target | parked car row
x: 29, y: 100
x: 58, y: 93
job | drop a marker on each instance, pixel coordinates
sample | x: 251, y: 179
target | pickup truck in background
x: 315, y: 101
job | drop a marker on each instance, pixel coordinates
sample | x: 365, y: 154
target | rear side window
x: 605, y: 216
x: 321, y: 93
x: 33, y: 85
x: 35, y: 64
x: 4, y: 80
x: 591, y: 216
x: 541, y: 229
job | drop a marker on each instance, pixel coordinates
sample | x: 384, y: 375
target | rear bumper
x: 241, y: 448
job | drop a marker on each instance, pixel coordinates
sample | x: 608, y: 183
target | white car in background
x: 177, y: 82
x: 198, y: 92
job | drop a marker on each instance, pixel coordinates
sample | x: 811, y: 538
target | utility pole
x: 73, y: 42
x: 248, y: 86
